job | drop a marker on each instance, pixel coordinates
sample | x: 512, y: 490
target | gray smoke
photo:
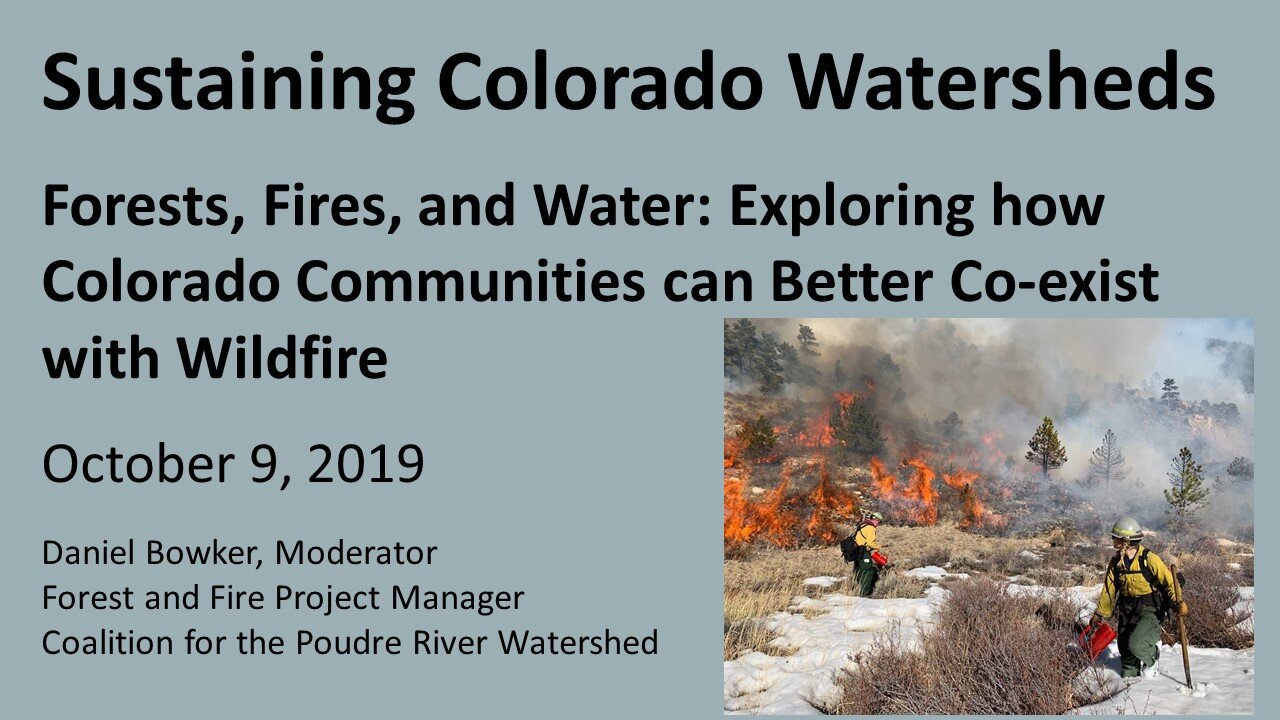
x: 1089, y: 375
x: 1237, y: 360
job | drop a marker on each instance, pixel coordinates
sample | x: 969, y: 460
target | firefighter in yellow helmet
x: 1138, y: 591
x: 866, y: 571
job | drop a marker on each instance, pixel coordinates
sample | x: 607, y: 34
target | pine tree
x: 1170, y: 396
x: 808, y: 341
x: 794, y: 367
x: 1240, y: 469
x: 1107, y: 462
x: 768, y: 363
x: 855, y: 427
x: 838, y: 375
x: 759, y: 437
x: 1047, y: 452
x: 1188, y: 494
x: 741, y: 345
x: 951, y: 428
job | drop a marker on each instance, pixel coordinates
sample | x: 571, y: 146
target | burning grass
x: 793, y: 485
x: 787, y: 515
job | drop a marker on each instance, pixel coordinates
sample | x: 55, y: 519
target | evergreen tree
x: 1240, y: 469
x: 741, y: 345
x: 1047, y: 452
x: 758, y: 437
x: 887, y: 369
x: 1188, y: 494
x: 952, y: 428
x: 794, y: 368
x: 838, y: 375
x: 889, y: 378
x: 1170, y: 396
x: 1226, y: 412
x: 1107, y: 462
x: 808, y: 341
x: 855, y: 427
x: 763, y: 358
x: 768, y: 363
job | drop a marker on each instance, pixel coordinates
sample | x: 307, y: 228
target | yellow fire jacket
x: 866, y: 537
x: 1132, y: 581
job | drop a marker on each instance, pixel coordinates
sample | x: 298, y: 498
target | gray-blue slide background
x: 573, y: 450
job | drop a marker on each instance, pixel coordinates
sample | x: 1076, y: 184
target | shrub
x: 894, y: 584
x: 988, y: 652
x: 1212, y: 594
x: 759, y: 437
x: 963, y: 561
x: 938, y: 556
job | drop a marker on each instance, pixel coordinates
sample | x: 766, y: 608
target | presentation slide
x: 378, y: 360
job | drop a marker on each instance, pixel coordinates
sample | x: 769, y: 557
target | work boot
x: 1149, y: 671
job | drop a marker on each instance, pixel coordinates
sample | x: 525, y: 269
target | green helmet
x: 1126, y: 528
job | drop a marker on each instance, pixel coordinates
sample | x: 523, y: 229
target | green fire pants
x: 865, y: 574
x: 1138, y: 636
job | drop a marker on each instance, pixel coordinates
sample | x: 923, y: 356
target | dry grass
x: 761, y: 582
x: 986, y: 653
x: 894, y: 584
x: 1056, y: 558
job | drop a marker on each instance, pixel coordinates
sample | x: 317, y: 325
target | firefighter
x: 866, y: 571
x: 1137, y: 590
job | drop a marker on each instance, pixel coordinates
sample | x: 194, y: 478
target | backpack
x: 1159, y: 595
x: 849, y: 547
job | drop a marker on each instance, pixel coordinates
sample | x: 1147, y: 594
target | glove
x: 1180, y: 607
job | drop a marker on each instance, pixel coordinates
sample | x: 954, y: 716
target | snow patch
x: 1222, y: 685
x: 1200, y: 690
x: 933, y: 572
x: 818, y: 639
x: 822, y: 646
x: 823, y: 581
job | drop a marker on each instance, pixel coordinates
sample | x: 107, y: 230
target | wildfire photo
x: 886, y: 468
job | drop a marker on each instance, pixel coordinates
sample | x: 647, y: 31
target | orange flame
x: 733, y: 447
x: 774, y: 518
x: 973, y: 508
x: 830, y: 504
x: 746, y: 520
x: 817, y: 432
x: 785, y: 516
x: 921, y: 490
x: 884, y: 482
